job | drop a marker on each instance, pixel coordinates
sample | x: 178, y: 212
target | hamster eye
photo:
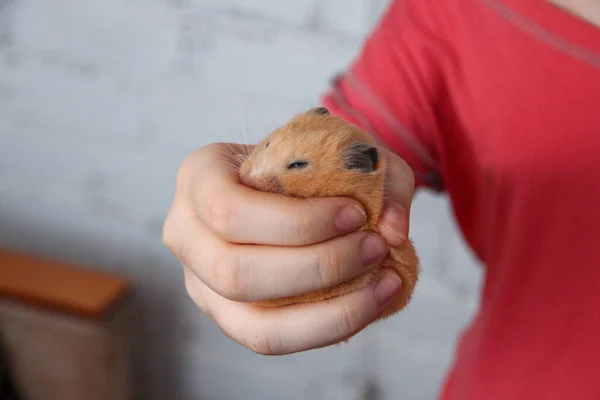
x: 297, y: 164
x: 267, y: 145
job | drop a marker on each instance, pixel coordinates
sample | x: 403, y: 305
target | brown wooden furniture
x: 65, y: 328
x: 59, y: 286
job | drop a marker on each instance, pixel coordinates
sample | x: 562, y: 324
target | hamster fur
x: 317, y: 154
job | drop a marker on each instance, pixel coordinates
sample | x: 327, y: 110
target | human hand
x: 239, y: 245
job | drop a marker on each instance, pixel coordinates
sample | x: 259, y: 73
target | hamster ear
x: 361, y: 157
x: 319, y: 111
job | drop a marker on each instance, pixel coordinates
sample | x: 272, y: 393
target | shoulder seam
x: 535, y: 30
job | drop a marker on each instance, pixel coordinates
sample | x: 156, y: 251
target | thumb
x: 399, y: 190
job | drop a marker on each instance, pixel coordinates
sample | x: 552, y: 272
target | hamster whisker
x: 244, y: 132
x: 234, y: 152
x: 235, y: 164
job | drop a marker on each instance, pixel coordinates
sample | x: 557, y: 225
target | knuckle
x: 329, y: 267
x: 186, y: 252
x: 220, y: 215
x: 229, y: 275
x: 186, y: 169
x: 175, y: 241
x: 190, y: 285
x: 182, y: 172
x: 302, y: 229
x: 169, y: 232
x: 167, y: 235
x: 192, y: 288
x: 346, y: 321
x: 191, y: 165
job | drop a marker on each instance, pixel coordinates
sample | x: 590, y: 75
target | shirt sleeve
x: 392, y: 88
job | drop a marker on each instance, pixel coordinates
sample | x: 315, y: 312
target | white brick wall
x: 101, y: 101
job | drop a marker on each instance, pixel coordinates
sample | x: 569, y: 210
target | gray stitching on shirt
x: 543, y: 34
x: 431, y: 178
x: 398, y: 127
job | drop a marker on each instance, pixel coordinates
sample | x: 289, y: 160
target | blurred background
x: 100, y: 102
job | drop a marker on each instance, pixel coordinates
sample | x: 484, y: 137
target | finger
x: 254, y: 273
x: 210, y: 184
x: 294, y: 328
x: 399, y: 191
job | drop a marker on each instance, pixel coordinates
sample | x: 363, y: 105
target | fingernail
x: 394, y: 215
x: 372, y: 248
x: 386, y: 287
x: 350, y: 217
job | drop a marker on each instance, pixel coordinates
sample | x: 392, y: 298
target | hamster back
x: 317, y: 154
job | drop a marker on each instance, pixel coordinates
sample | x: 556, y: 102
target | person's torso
x: 521, y: 162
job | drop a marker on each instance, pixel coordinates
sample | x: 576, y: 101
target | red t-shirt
x: 497, y: 104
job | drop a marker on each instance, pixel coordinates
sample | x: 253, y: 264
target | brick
x: 294, y: 13
x: 347, y: 16
x: 241, y: 55
x: 138, y: 43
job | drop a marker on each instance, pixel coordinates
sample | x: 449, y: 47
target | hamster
x: 317, y: 154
